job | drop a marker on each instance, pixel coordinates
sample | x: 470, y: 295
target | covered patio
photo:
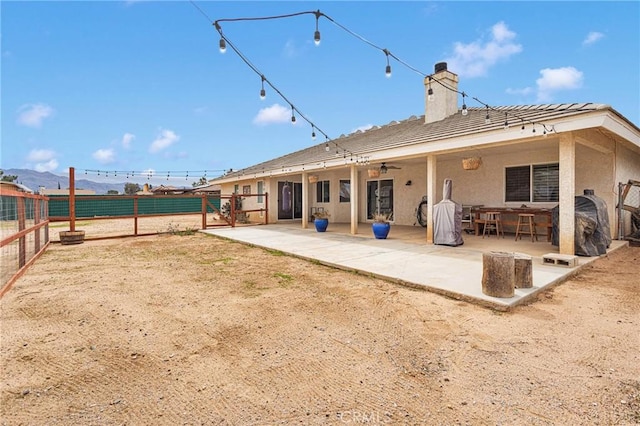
x: 405, y: 257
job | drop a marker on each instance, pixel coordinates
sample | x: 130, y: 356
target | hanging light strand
x: 388, y: 54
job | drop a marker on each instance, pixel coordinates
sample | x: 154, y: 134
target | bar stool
x: 526, y: 220
x: 493, y: 221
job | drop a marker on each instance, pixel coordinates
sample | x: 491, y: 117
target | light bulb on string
x: 223, y: 43
x: 430, y: 91
x: 293, y: 116
x: 263, y: 94
x: 316, y: 34
x: 313, y: 133
x: 326, y: 147
x: 464, y: 105
x: 387, y: 71
x: 506, y: 121
x: 522, y: 128
x: 487, y: 119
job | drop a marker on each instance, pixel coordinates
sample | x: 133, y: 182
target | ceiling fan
x: 384, y: 168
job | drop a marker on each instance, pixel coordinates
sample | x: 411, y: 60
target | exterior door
x: 379, y: 198
x: 289, y: 200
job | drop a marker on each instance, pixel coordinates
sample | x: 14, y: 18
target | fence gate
x: 629, y: 211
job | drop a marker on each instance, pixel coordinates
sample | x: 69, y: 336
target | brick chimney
x: 444, y: 102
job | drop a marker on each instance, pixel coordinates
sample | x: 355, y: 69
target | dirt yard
x: 195, y: 330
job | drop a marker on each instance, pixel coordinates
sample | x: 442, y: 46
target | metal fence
x: 114, y: 216
x: 24, y: 226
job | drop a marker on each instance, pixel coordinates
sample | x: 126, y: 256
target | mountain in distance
x: 34, y: 180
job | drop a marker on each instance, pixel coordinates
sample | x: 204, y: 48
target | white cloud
x: 47, y: 166
x: 39, y: 155
x: 475, y: 59
x: 44, y: 159
x: 104, y: 156
x: 592, y: 37
x: 276, y: 113
x: 553, y: 80
x: 362, y: 128
x: 290, y: 49
x: 164, y: 140
x: 521, y: 92
x: 32, y: 115
x: 127, y: 138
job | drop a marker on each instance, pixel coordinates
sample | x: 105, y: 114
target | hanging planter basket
x: 373, y: 173
x: 313, y: 178
x: 471, y: 163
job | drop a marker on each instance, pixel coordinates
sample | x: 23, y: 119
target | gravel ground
x: 193, y: 329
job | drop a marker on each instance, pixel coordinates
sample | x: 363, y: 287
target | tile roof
x: 414, y: 130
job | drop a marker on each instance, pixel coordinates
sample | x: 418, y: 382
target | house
x: 14, y: 186
x: 55, y: 192
x: 534, y: 155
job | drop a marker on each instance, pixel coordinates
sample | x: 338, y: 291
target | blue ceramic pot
x: 380, y: 230
x: 321, y: 224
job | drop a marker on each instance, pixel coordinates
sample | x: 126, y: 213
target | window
x: 246, y: 189
x: 260, y: 191
x: 236, y: 188
x: 533, y: 183
x: 345, y: 191
x: 322, y: 191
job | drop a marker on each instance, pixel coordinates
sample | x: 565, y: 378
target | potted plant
x: 380, y: 226
x: 321, y: 220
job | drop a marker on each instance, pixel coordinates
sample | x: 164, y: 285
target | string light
x: 313, y: 133
x: 464, y: 105
x: 263, y: 94
x: 316, y: 35
x: 387, y: 71
x: 506, y: 121
x: 487, y: 119
x: 224, y: 42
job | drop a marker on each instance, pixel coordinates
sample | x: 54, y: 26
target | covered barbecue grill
x: 447, y: 219
x: 592, y: 229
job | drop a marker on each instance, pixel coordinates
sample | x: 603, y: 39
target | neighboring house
x: 14, y: 186
x: 205, y: 189
x: 390, y: 168
x: 53, y: 192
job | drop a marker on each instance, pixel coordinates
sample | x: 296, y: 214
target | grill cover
x: 447, y: 219
x: 592, y: 229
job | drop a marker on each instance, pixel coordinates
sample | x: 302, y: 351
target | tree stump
x: 498, y: 274
x: 523, y: 270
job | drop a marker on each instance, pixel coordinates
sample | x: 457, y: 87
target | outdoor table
x: 510, y: 216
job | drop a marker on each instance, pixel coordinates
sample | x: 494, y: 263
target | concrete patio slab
x: 452, y: 271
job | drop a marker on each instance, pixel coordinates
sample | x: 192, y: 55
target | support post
x: 72, y: 199
x: 305, y: 200
x: 353, y: 200
x: 204, y: 210
x: 431, y: 195
x: 566, y: 225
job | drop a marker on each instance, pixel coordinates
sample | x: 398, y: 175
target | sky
x: 141, y: 86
